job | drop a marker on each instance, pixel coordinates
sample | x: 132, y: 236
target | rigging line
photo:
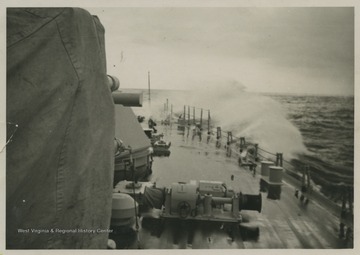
x: 286, y: 169
x: 341, y: 183
x: 289, y: 162
x: 259, y: 154
x: 317, y: 175
x: 291, y: 170
x: 336, y: 175
x: 226, y: 132
x: 342, y: 178
x: 262, y: 156
x: 247, y: 143
x: 236, y: 137
x: 266, y: 151
x: 293, y: 166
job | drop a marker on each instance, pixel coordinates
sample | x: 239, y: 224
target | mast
x: 167, y: 107
x: 149, y: 85
x: 171, y: 113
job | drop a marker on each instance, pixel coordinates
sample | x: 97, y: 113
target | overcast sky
x: 290, y: 50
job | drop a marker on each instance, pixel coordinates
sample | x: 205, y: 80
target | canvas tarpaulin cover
x: 60, y: 160
x: 154, y: 197
x: 130, y: 132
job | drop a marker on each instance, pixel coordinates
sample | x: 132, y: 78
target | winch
x: 207, y: 200
x: 195, y: 200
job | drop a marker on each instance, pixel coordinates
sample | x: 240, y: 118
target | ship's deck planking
x: 284, y: 223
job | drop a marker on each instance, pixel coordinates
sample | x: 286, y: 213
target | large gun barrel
x: 127, y: 99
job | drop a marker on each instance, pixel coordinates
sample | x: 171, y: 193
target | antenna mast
x: 149, y: 84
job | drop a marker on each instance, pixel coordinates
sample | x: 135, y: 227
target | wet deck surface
x: 284, y: 223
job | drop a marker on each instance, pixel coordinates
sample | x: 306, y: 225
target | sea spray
x: 258, y: 118
x: 317, y: 131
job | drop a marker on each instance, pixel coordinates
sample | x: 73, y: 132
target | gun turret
x: 126, y: 99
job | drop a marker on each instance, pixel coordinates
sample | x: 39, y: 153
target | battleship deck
x: 284, y: 223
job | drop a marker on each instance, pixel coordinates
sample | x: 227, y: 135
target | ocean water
x: 326, y: 124
x: 317, y: 131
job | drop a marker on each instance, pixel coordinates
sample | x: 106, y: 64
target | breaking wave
x: 260, y: 119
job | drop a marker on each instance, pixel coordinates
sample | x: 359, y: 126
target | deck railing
x: 299, y: 175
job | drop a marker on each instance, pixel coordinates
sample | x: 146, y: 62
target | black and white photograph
x: 169, y: 125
